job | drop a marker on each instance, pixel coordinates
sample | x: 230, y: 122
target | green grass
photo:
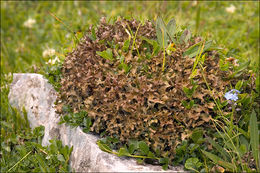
x: 22, y: 48
x: 238, y: 32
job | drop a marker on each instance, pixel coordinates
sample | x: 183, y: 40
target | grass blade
x: 254, y: 137
x: 19, y: 161
x: 219, y: 161
x: 193, y: 50
x: 197, y: 20
x: 220, y: 149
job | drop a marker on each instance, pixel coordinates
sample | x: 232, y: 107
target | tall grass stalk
x: 228, y: 123
x: 197, y: 20
x: 163, y: 50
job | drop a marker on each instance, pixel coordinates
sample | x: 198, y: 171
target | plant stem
x: 163, y: 51
x: 134, y: 43
x: 19, y: 161
x: 230, y: 139
x: 53, y: 15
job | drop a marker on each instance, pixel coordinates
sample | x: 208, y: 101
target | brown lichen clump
x: 146, y: 103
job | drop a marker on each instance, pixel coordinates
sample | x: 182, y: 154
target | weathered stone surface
x: 37, y: 96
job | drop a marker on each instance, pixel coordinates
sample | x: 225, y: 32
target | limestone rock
x: 37, y: 96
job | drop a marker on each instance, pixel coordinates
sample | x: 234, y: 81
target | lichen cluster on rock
x: 143, y: 102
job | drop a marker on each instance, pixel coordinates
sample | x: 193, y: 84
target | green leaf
x: 126, y: 67
x: 185, y: 36
x: 188, y: 105
x: 197, y: 134
x: 165, y: 166
x: 223, y: 65
x: 140, y: 161
x: 44, y: 167
x: 219, y: 161
x: 150, y: 154
x: 193, y: 50
x: 60, y: 158
x: 202, y: 59
x: 165, y: 162
x: 133, y: 145
x: 161, y: 32
x: 239, y: 84
x: 197, y: 20
x: 107, y: 54
x: 93, y: 36
x: 171, y: 29
x: 257, y: 83
x: 143, y: 147
x: 123, y: 152
x: 154, y: 43
x: 193, y: 164
x: 113, y: 140
x: 87, y: 123
x: 194, y: 73
x: 254, y: 137
x: 185, y: 103
x: 240, y: 69
x: 243, y: 66
x: 242, y: 150
x: 104, y: 147
x: 220, y: 149
x: 39, y: 131
x: 187, y: 92
x: 131, y: 148
x: 126, y: 45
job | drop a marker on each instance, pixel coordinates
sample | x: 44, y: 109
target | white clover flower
x: 79, y: 13
x: 29, y: 23
x: 76, y: 3
x: 67, y: 35
x: 53, y: 61
x: 194, y: 3
x: 56, y: 59
x: 231, y: 9
x: 48, y: 52
x: 7, y: 76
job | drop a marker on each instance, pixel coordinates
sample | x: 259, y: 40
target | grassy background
x: 22, y: 47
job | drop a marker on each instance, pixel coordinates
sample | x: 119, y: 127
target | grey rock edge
x: 34, y: 93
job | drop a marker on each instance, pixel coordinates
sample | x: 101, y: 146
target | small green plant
x: 164, y: 34
x: 135, y: 149
x: 53, y: 74
x: 233, y: 136
x: 25, y: 153
x: 193, y: 164
x: 107, y: 54
x: 76, y: 119
x: 21, y: 149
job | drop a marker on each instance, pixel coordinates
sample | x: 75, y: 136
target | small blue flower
x: 232, y: 95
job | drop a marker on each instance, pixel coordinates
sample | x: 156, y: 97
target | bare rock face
x: 37, y: 96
